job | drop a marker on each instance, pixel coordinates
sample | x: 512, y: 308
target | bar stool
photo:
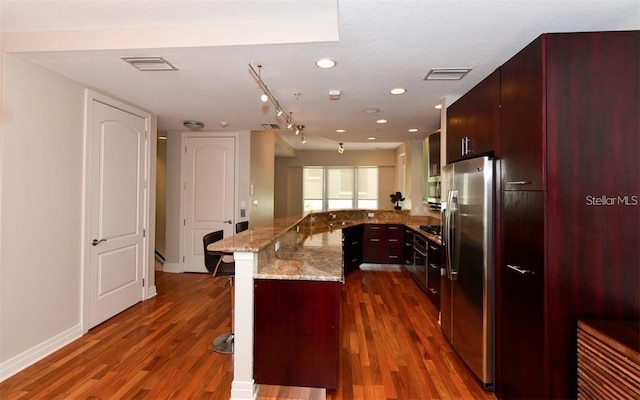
x: 221, y: 264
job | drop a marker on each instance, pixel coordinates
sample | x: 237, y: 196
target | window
x: 332, y: 188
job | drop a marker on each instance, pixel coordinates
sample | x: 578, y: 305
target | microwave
x: 433, y: 189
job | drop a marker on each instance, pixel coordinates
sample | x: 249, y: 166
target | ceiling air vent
x: 444, y: 74
x: 150, y: 63
x: 270, y: 127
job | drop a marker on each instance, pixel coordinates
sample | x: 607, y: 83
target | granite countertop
x: 318, y: 257
x: 309, y: 247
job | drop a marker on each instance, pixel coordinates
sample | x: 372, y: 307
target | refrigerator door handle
x: 454, y: 216
x: 449, y: 246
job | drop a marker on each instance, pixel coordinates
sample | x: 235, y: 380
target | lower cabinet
x: 434, y: 268
x: 351, y: 248
x: 383, y: 244
x: 297, y: 333
x: 408, y: 249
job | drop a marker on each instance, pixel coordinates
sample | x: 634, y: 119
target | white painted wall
x: 40, y: 263
x: 41, y: 209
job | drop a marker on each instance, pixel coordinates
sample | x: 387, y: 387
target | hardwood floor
x: 392, y: 348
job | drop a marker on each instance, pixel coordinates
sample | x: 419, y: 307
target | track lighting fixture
x: 340, y: 148
x: 268, y: 96
x: 303, y: 139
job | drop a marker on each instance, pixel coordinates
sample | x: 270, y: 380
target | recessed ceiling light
x: 398, y: 91
x: 325, y: 63
x: 371, y: 110
x: 438, y: 106
x: 412, y: 130
x: 381, y: 121
x: 371, y: 138
x: 340, y: 130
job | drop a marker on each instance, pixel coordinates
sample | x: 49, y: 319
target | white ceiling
x: 378, y: 45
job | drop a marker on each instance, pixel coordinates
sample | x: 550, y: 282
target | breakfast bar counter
x: 304, y: 249
x: 309, y: 247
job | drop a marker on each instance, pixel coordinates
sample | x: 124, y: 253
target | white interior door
x: 117, y: 203
x: 209, y: 186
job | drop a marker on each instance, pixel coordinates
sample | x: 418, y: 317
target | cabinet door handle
x: 519, y: 183
x: 433, y: 291
x: 434, y: 266
x: 520, y: 270
x: 393, y: 240
x: 375, y: 240
x: 434, y: 248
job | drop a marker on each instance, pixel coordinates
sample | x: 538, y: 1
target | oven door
x: 420, y: 260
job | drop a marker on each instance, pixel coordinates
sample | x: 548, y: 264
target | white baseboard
x: 151, y: 292
x: 243, y: 390
x: 38, y: 352
x: 175, y: 268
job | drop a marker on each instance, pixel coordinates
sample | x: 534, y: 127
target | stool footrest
x: 224, y: 343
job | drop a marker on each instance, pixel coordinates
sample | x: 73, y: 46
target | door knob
x: 227, y: 222
x: 96, y: 242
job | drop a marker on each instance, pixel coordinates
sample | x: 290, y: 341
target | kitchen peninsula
x: 307, y: 252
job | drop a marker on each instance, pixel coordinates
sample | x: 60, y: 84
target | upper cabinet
x: 521, y: 119
x: 431, y: 168
x: 473, y: 122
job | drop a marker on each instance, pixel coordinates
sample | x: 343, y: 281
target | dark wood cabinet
x: 521, y: 119
x: 569, y: 218
x: 473, y: 121
x: 408, y: 249
x: 434, y: 154
x: 434, y: 265
x: 297, y: 340
x: 351, y: 248
x: 522, y: 295
x: 383, y: 244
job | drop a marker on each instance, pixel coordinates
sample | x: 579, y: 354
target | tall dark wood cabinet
x: 570, y: 140
x: 473, y: 121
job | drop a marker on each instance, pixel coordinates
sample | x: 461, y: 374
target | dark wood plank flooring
x: 392, y: 348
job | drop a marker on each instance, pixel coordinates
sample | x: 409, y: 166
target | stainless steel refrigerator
x: 467, y: 293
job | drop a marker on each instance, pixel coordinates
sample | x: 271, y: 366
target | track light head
x: 267, y: 96
x: 340, y: 148
x: 303, y: 139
